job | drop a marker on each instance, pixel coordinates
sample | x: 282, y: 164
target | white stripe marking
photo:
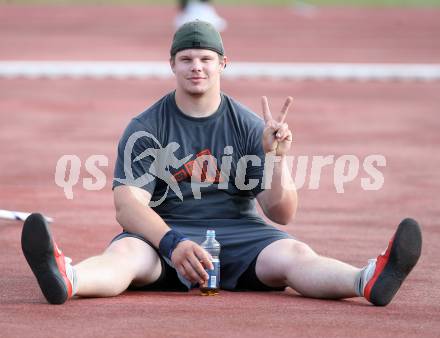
x: 300, y: 71
x: 18, y: 215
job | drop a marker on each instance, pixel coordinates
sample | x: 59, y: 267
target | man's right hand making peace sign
x: 277, y: 136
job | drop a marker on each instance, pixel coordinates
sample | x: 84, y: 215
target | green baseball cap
x: 197, y: 35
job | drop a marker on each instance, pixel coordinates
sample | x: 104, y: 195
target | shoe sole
x: 405, y: 252
x: 38, y: 249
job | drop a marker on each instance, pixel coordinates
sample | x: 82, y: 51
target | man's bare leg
x: 293, y: 263
x: 126, y: 261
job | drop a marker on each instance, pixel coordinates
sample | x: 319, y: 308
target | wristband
x: 169, y: 242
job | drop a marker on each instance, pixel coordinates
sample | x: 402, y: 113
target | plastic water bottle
x: 212, y: 286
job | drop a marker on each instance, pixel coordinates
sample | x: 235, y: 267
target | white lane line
x: 299, y: 71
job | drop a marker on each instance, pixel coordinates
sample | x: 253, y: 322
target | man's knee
x: 139, y: 256
x: 130, y: 246
x: 278, y: 258
x: 301, y: 250
x: 286, y: 252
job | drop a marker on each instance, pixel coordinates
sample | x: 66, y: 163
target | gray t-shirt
x: 203, y: 147
x: 202, y: 173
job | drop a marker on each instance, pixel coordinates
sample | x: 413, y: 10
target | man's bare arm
x: 134, y: 214
x: 279, y: 203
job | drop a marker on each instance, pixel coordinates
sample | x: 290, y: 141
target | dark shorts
x: 169, y: 279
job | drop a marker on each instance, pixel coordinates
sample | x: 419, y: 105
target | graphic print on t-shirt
x: 203, y: 167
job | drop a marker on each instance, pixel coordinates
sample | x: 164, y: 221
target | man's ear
x: 224, y: 62
x: 172, y: 63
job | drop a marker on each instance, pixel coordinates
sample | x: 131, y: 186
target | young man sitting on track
x: 179, y: 171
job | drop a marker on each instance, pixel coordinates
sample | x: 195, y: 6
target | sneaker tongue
x: 71, y: 274
x: 368, y: 273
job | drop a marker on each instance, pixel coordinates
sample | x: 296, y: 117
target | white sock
x: 71, y: 275
x: 364, y: 277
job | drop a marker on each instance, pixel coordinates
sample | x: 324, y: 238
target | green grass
x: 384, y: 3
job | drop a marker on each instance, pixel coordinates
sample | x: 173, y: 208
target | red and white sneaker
x: 383, y: 276
x: 49, y: 265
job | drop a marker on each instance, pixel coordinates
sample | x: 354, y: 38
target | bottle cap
x: 210, y: 233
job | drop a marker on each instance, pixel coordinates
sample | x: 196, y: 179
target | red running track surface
x: 254, y: 34
x: 41, y: 120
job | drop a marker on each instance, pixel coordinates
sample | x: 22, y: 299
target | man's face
x: 198, y: 70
